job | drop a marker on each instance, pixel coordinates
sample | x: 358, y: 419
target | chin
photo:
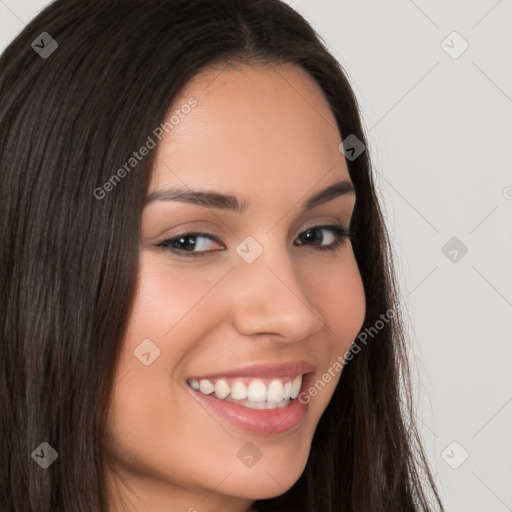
x: 268, y: 481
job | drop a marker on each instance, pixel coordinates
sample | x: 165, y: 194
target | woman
x: 199, y: 310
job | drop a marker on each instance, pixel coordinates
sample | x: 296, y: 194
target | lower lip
x: 260, y: 421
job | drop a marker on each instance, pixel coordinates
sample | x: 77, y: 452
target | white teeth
x: 255, y: 396
x: 257, y: 391
x: 239, y: 391
x: 222, y: 389
x: 260, y: 405
x: 296, y: 387
x: 287, y: 390
x: 275, y: 391
x: 206, y: 387
x: 257, y: 405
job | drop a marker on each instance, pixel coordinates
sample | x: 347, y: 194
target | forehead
x: 251, y: 126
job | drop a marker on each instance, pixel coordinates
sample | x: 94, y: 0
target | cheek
x: 168, y: 302
x: 150, y: 409
x: 340, y: 298
x: 339, y: 295
x: 348, y: 307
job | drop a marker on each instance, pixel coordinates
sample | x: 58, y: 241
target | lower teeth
x: 259, y: 405
x: 255, y: 405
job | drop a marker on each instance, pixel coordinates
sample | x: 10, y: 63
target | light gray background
x: 440, y: 133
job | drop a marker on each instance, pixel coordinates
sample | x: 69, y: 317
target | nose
x: 267, y: 297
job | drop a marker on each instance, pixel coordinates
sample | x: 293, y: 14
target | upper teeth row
x: 256, y: 391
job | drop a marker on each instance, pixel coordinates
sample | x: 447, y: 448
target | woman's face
x: 245, y: 303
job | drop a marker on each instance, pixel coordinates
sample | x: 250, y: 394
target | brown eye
x: 189, y: 244
x: 313, y: 236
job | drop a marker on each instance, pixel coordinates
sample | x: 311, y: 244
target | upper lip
x: 284, y: 369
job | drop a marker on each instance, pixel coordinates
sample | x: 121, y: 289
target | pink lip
x: 259, y: 421
x: 292, y: 368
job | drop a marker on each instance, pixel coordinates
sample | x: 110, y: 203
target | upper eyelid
x: 199, y: 231
x: 331, y: 221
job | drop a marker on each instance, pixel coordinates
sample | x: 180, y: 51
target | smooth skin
x: 267, y: 136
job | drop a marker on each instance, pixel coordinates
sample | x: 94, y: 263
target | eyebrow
x: 211, y: 199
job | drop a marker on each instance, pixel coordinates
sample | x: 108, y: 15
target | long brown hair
x: 68, y: 260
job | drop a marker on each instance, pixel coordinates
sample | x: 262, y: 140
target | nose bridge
x: 266, y: 293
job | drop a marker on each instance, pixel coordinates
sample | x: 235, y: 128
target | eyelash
x: 341, y: 234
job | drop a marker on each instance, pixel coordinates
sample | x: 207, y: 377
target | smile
x: 259, y: 397
x: 254, y: 393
